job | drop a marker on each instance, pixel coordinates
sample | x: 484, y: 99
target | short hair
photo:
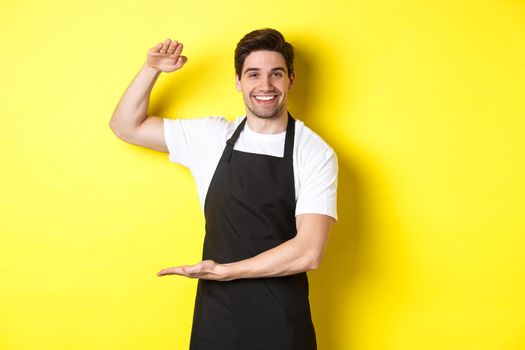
x: 263, y: 39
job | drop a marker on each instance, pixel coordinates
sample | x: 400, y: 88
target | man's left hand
x: 207, y: 269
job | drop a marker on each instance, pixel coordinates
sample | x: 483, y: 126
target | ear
x: 237, y: 83
x: 292, y: 80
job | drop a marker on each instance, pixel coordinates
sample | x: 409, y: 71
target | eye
x: 252, y: 75
x: 277, y: 74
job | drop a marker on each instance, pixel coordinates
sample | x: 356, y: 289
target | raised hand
x: 166, y: 56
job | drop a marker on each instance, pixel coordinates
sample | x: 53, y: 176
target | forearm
x: 132, y: 108
x: 288, y: 258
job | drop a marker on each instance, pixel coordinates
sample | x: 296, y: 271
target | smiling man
x: 267, y: 185
x: 264, y: 83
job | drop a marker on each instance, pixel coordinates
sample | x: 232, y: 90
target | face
x: 265, y: 83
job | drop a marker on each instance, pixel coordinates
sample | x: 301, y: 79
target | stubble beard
x: 265, y: 113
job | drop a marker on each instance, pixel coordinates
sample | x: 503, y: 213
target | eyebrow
x: 258, y: 69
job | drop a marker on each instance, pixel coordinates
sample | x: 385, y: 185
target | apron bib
x: 250, y: 208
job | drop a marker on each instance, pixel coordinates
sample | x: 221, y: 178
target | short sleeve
x: 187, y: 139
x: 318, y: 190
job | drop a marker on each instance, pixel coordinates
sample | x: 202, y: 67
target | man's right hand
x: 166, y: 57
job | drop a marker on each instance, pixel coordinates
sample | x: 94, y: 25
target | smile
x: 265, y: 98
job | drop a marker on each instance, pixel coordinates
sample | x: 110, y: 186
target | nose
x: 266, y: 83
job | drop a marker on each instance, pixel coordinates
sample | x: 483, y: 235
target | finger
x: 180, y: 62
x: 165, y: 45
x: 177, y: 270
x: 172, y: 46
x: 178, y: 49
x: 193, y: 269
x: 156, y: 48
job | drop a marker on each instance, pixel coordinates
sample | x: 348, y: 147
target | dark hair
x: 263, y: 39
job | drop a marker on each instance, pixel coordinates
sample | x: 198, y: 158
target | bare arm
x: 302, y: 253
x: 130, y: 121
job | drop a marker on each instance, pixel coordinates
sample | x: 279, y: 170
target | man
x: 267, y: 185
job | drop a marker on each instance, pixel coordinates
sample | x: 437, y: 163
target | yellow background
x: 423, y: 102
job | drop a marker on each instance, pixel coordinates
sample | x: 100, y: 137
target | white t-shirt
x: 198, y: 143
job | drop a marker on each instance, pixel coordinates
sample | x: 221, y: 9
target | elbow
x: 115, y: 126
x: 312, y: 262
x: 112, y: 122
x: 118, y: 132
x: 112, y: 127
x: 314, y: 265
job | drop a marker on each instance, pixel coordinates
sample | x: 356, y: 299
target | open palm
x: 166, y: 56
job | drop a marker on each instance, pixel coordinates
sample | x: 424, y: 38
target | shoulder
x: 216, y: 127
x: 309, y: 144
x: 317, y: 172
x: 188, y: 139
x: 210, y: 121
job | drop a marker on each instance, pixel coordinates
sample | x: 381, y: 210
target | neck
x: 273, y: 125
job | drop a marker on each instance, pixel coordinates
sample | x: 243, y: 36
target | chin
x: 264, y: 116
x: 267, y: 115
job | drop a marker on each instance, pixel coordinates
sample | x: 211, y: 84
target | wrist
x: 226, y: 271
x: 149, y: 69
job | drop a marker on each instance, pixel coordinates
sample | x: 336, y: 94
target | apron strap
x: 290, y: 134
x: 227, y: 154
x: 288, y: 142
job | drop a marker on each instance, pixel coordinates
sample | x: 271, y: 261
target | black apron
x: 250, y: 208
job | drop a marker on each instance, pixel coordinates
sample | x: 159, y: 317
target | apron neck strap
x: 290, y: 135
x: 288, y: 142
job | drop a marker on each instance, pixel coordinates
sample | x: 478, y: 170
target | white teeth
x: 265, y: 98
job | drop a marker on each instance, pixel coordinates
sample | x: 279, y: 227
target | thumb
x: 181, y: 61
